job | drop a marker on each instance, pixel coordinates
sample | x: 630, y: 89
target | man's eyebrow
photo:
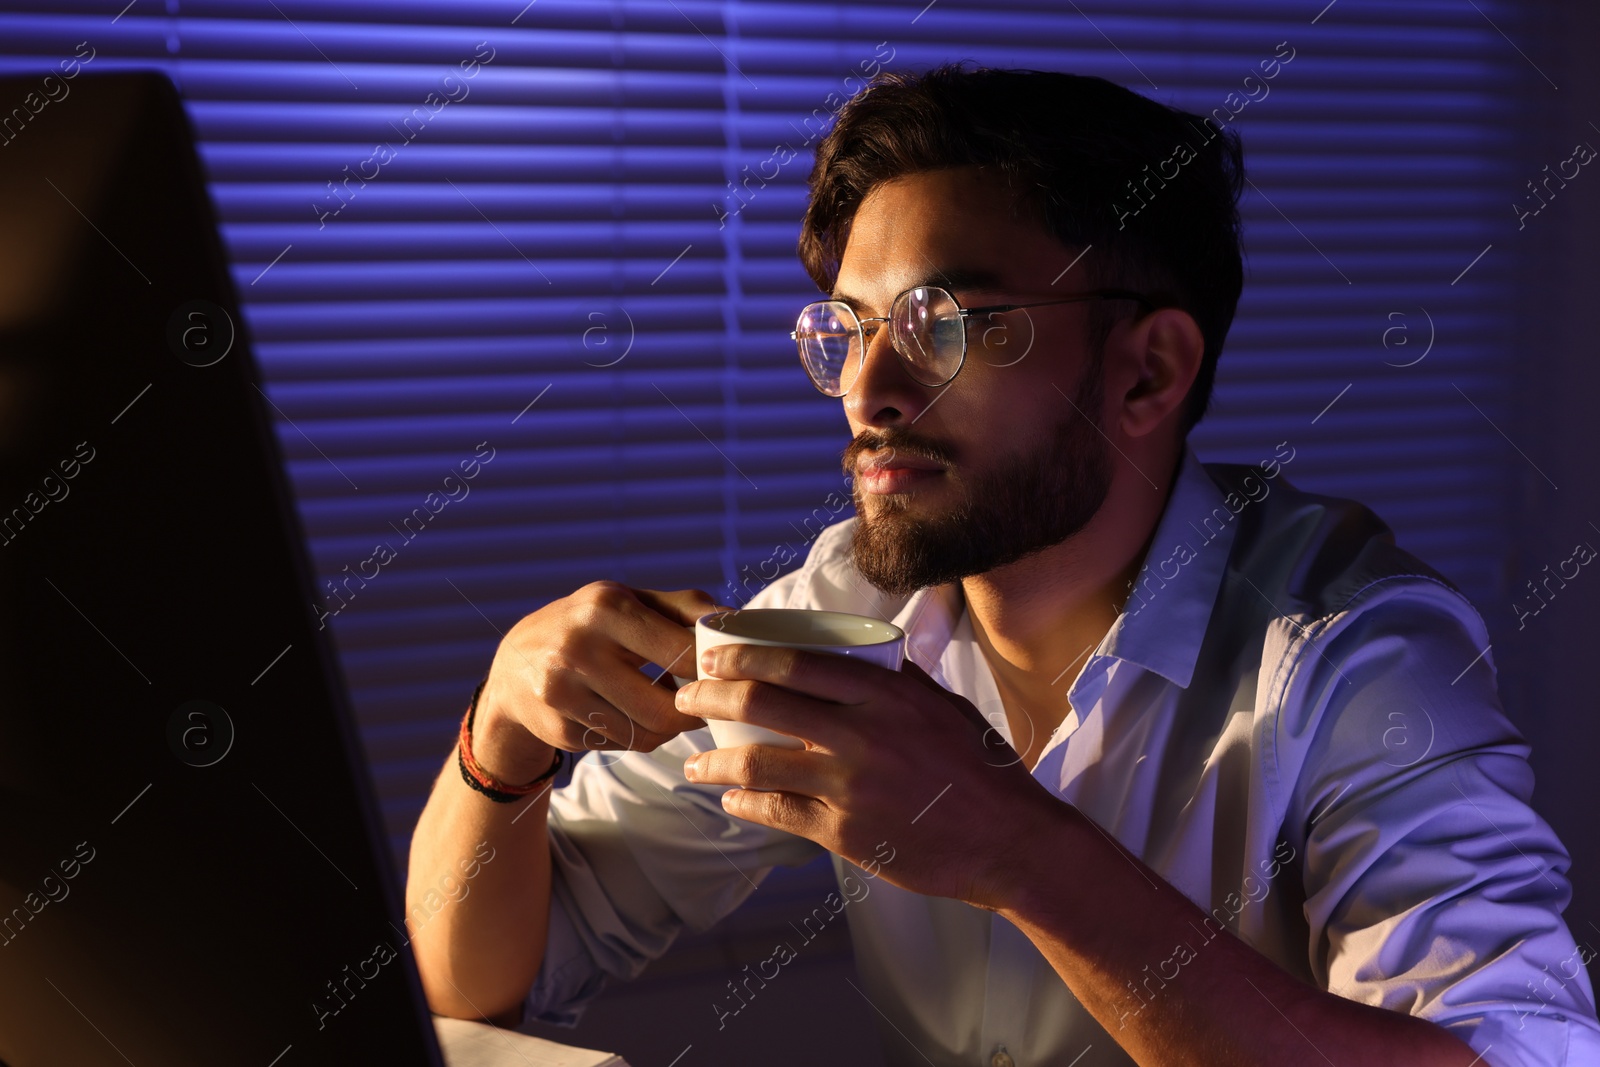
x: 950, y: 278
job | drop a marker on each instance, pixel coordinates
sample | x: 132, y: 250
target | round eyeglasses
x: 927, y: 329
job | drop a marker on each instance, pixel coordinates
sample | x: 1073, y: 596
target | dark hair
x: 1093, y: 160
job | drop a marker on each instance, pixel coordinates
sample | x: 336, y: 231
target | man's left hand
x: 889, y: 756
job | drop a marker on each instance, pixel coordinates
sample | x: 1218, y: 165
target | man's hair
x: 1091, y: 160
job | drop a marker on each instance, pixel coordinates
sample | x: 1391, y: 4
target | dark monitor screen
x: 193, y: 869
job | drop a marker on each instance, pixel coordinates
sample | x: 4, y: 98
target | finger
x: 561, y: 708
x: 767, y: 767
x: 605, y: 729
x: 650, y: 626
x: 800, y: 815
x: 593, y: 722
x: 682, y: 606
x: 824, y: 675
x: 637, y: 634
x: 657, y: 627
x: 763, y: 704
x: 910, y: 669
x: 650, y: 705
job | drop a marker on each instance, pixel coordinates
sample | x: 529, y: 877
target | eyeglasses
x: 927, y: 329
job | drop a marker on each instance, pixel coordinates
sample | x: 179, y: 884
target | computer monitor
x: 193, y: 869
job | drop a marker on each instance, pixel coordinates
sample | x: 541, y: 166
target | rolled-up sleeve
x: 638, y: 854
x: 1431, y: 885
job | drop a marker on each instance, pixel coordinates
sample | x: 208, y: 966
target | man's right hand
x: 567, y: 676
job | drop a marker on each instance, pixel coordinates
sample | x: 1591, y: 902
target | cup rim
x: 893, y: 633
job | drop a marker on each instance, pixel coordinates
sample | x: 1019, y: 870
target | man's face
x: 1011, y: 455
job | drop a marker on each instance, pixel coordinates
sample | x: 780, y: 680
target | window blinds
x: 552, y: 245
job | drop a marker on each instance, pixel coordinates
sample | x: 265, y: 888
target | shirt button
x: 1001, y: 1058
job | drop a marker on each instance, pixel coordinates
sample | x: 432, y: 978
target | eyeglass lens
x: 925, y: 328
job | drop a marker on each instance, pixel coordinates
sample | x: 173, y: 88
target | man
x: 1256, y: 803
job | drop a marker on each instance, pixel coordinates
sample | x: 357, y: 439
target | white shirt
x: 1292, y: 720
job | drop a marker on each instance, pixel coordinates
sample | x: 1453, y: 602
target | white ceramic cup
x: 835, y: 632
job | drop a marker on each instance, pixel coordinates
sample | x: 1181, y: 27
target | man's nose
x: 884, y: 393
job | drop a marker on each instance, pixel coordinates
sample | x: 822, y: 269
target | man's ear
x: 1162, y: 353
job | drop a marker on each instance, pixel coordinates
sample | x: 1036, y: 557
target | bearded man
x: 1136, y: 795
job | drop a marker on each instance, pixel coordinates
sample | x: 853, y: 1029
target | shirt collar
x: 1164, y: 622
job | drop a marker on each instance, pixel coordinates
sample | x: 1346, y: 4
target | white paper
x: 471, y: 1044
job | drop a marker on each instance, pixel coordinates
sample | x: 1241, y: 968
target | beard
x: 1024, y: 504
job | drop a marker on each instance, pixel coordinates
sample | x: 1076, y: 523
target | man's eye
x: 947, y: 330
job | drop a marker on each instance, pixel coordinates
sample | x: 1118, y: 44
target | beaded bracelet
x: 480, y: 779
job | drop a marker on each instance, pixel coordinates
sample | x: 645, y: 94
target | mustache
x: 896, y: 442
